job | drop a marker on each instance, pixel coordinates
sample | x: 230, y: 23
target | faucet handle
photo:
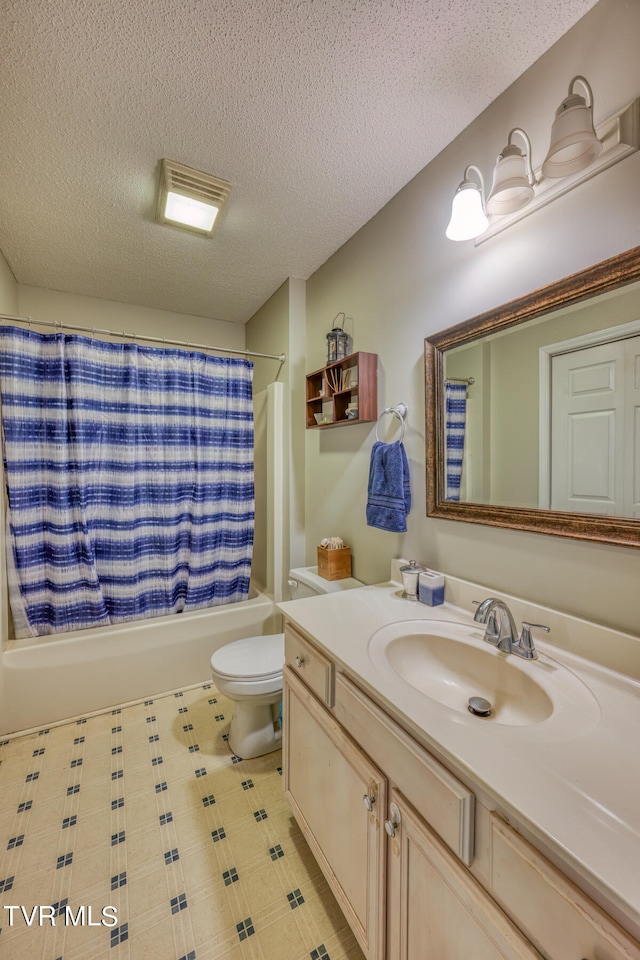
x: 525, y: 644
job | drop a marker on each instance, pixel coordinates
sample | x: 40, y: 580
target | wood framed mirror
x: 551, y: 430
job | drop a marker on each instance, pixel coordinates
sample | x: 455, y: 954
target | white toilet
x: 249, y: 672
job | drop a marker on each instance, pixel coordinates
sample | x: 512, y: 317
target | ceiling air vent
x: 190, y: 199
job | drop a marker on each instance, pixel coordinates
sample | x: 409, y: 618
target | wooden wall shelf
x: 348, y: 385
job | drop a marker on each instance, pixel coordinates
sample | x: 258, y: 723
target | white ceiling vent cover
x: 204, y: 197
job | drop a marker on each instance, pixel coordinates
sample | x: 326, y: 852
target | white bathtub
x: 55, y: 678
x: 70, y: 675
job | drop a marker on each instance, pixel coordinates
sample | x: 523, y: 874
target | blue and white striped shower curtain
x: 129, y: 474
x: 455, y: 423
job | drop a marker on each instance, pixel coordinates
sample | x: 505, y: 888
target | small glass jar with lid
x: 410, y: 573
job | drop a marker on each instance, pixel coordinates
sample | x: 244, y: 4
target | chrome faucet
x: 502, y: 631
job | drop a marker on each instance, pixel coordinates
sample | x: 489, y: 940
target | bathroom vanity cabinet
x: 421, y: 861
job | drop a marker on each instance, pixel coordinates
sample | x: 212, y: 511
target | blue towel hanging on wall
x: 389, y: 499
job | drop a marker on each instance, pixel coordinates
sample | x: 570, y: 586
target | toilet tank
x: 306, y: 582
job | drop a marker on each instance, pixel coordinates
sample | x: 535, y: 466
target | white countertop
x: 579, y: 794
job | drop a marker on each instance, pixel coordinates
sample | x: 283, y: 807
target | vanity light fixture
x: 578, y: 151
x: 190, y: 199
x: 513, y: 178
x: 468, y: 219
x: 574, y: 143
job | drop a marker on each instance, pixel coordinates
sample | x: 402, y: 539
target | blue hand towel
x: 389, y: 498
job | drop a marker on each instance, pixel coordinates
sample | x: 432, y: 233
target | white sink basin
x: 450, y: 663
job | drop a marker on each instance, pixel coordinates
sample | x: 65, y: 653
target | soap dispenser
x: 410, y: 573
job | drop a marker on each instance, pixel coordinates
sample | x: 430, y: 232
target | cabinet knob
x: 299, y: 661
x: 368, y: 802
x: 394, y: 821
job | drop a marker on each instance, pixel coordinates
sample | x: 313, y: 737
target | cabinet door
x: 558, y: 917
x: 437, y: 910
x: 326, y: 780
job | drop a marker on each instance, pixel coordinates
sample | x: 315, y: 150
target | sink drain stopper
x: 479, y: 706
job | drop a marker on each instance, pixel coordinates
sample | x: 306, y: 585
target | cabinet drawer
x: 438, y: 796
x: 558, y: 918
x: 310, y: 665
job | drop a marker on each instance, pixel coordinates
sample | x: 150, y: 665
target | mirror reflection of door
x: 508, y: 351
x: 595, y: 429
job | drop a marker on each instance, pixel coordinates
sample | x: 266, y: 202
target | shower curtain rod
x: 139, y: 336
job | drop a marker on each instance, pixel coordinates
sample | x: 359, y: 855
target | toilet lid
x: 253, y: 658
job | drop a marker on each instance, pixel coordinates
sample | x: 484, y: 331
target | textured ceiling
x: 317, y: 111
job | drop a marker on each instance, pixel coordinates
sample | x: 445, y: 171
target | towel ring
x: 399, y: 411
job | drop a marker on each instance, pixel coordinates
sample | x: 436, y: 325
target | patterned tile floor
x: 144, y: 809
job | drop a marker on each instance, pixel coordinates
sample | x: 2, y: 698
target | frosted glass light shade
x: 190, y: 212
x: 511, y: 189
x: 574, y: 144
x: 468, y: 219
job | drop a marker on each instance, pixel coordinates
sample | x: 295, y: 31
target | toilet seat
x: 251, y: 659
